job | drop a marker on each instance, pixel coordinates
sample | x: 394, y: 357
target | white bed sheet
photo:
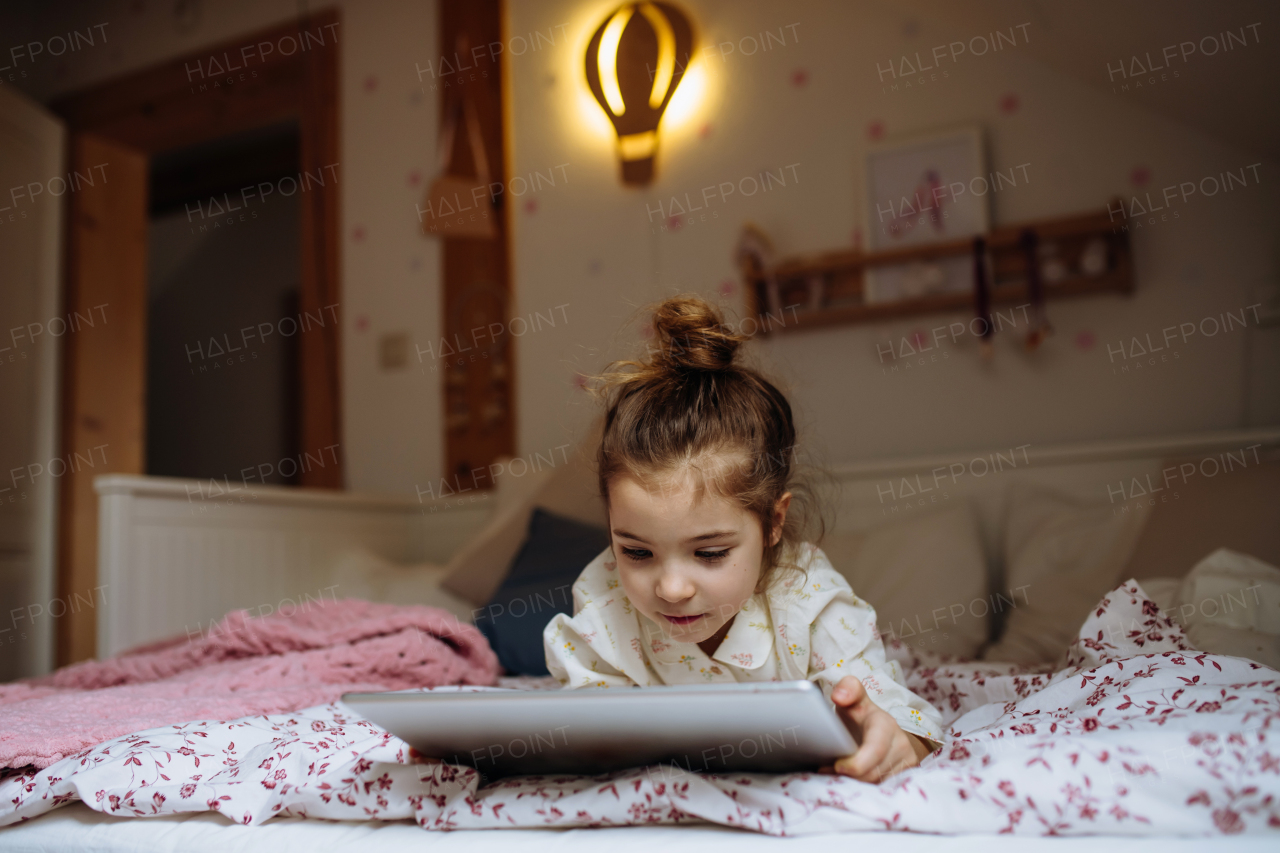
x: 77, y: 827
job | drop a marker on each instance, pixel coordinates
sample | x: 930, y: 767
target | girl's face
x: 687, y: 559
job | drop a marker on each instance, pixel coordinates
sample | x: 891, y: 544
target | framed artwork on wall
x: 920, y: 190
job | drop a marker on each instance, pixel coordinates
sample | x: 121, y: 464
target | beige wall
x: 586, y: 243
x: 1081, y: 142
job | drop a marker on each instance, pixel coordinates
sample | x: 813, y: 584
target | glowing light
x: 607, y: 59
x: 592, y: 117
x: 638, y: 146
x: 685, y: 102
x: 666, y: 54
x: 634, y: 71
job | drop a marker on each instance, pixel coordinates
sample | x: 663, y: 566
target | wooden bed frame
x: 176, y: 554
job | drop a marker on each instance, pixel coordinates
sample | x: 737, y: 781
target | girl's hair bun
x: 692, y: 335
x: 688, y: 409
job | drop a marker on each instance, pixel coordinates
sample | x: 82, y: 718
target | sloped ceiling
x: 1233, y: 95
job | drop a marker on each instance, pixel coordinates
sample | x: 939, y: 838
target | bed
x: 272, y: 546
x: 176, y: 554
x: 82, y: 829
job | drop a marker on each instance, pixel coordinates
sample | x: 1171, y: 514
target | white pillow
x: 1236, y: 642
x: 1061, y: 557
x: 363, y: 574
x: 1229, y: 604
x: 925, y: 576
x: 1232, y: 590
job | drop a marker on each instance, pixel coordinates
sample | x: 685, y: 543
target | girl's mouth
x: 682, y: 620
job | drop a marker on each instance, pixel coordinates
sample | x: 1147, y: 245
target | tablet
x: 774, y: 727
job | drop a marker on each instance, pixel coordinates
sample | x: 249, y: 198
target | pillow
x: 538, y: 587
x: 477, y: 570
x: 1232, y: 590
x: 363, y: 574
x: 1164, y: 592
x: 926, y: 577
x: 1061, y: 557
x: 1210, y: 506
x: 510, y: 489
x: 1229, y: 604
x: 1236, y: 642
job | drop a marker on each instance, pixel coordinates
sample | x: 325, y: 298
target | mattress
x: 77, y: 827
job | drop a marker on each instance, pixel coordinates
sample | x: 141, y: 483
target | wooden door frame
x: 37, y: 537
x: 471, y: 266
x: 290, y: 71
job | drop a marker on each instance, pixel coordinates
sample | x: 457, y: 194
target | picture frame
x: 924, y: 189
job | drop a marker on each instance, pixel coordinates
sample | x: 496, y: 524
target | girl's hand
x: 883, y: 748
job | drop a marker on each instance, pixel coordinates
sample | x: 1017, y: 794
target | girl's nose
x: 674, y: 587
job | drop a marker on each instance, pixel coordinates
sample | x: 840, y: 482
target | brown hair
x: 691, y: 408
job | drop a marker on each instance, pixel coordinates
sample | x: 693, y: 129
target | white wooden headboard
x: 172, y: 556
x: 874, y: 492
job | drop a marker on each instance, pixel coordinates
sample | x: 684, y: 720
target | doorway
x: 177, y: 145
x: 222, y: 309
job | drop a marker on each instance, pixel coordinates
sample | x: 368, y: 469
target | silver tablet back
x: 768, y: 726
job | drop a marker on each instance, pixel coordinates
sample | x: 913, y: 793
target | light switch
x: 393, y: 351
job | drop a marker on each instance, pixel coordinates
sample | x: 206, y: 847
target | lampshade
x: 634, y: 63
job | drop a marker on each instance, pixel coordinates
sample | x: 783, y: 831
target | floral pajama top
x: 808, y: 627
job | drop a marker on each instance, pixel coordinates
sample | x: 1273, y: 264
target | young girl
x: 706, y: 579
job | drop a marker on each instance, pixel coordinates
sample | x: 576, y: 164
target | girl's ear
x: 779, y: 517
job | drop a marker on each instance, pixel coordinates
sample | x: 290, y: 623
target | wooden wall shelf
x: 828, y: 289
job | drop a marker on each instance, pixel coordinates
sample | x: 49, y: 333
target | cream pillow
x: 926, y: 577
x: 1236, y: 642
x: 1229, y: 604
x: 1061, y: 557
x: 363, y: 574
x: 1199, y: 514
x: 478, y: 569
x: 1232, y: 590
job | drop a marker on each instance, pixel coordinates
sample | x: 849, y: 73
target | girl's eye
x: 712, y: 556
x: 637, y: 554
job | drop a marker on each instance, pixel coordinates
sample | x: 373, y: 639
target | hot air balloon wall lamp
x: 634, y: 62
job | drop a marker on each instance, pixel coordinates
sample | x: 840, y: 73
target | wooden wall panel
x: 478, y: 385
x: 320, y: 349
x: 105, y: 366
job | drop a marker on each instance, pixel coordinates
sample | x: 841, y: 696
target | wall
x: 29, y: 277
x: 588, y: 250
x: 816, y: 101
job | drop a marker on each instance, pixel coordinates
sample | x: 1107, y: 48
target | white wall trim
x: 1151, y: 447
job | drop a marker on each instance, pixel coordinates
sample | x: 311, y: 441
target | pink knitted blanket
x: 240, y: 668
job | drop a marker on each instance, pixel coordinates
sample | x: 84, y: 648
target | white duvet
x: 1136, y: 734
